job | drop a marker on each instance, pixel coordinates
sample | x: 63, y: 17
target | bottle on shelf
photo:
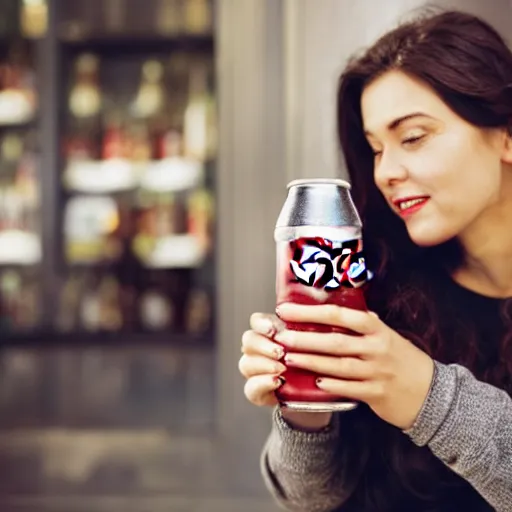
x: 151, y: 96
x: 18, y: 95
x: 109, y: 296
x: 115, y: 144
x: 198, y: 17
x: 117, y: 172
x: 157, y: 222
x: 19, y: 301
x: 91, y: 230
x: 169, y: 17
x: 198, y: 312
x: 67, y: 317
x: 85, y: 99
x: 34, y: 18
x: 199, y: 119
x: 19, y: 202
x: 156, y: 310
x: 200, y: 218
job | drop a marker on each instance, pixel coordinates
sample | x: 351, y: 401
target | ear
x: 506, y: 146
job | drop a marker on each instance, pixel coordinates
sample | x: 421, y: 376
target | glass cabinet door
x: 137, y: 146
x: 20, y: 170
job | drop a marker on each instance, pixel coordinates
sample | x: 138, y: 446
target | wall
x: 320, y: 36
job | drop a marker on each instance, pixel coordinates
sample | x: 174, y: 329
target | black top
x: 397, y: 471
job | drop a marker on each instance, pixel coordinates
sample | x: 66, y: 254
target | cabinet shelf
x: 107, y: 339
x: 137, y: 42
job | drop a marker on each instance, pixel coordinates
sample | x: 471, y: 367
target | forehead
x: 394, y: 95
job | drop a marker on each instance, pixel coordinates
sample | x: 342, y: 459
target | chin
x: 429, y: 237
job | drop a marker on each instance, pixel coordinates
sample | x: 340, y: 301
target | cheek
x: 468, y: 196
x: 457, y: 164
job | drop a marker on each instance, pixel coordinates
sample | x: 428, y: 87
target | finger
x: 340, y: 367
x: 260, y: 389
x: 335, y: 344
x: 256, y: 344
x: 249, y: 366
x: 329, y: 314
x: 266, y: 324
x: 362, y: 391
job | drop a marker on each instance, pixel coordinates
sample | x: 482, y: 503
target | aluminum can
x: 320, y: 260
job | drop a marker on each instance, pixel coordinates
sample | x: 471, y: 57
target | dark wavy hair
x: 468, y: 64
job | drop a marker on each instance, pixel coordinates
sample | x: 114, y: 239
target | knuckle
x: 253, y: 392
x: 334, y: 314
x: 385, y: 345
x: 249, y: 391
x: 247, y: 338
x: 338, y: 344
x: 288, y: 337
x: 255, y: 317
x: 348, y: 366
x: 242, y: 365
x: 379, y: 391
x: 380, y: 346
x: 372, y: 369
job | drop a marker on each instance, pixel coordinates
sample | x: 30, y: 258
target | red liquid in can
x: 317, y: 271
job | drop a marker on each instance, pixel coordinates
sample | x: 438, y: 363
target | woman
x: 424, y: 122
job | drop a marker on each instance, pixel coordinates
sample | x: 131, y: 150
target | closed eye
x: 411, y: 141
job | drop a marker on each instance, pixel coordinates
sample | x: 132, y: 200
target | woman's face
x: 440, y: 174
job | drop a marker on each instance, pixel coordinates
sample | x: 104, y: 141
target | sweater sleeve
x: 467, y: 424
x: 307, y: 471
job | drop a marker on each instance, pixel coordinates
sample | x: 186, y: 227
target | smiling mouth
x: 412, y: 205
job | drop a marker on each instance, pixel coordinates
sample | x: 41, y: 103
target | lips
x: 410, y: 204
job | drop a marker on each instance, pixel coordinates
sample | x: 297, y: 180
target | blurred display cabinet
x: 114, y: 242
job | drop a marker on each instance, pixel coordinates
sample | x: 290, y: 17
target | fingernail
x: 288, y: 359
x: 280, y: 381
x: 278, y: 353
x: 265, y: 326
x: 280, y: 308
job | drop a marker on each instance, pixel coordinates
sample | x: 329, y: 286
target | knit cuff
x: 300, y: 450
x: 437, y: 405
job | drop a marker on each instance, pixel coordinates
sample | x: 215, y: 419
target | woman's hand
x: 261, y: 367
x: 260, y: 361
x: 379, y: 367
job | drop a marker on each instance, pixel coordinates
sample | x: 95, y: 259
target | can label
x: 327, y: 264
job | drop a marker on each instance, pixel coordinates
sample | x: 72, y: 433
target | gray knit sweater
x: 466, y: 423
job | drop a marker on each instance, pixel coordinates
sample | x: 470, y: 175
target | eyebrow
x: 393, y: 125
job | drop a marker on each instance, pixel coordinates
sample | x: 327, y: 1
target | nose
x: 388, y: 170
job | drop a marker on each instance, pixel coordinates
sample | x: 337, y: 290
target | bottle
x: 85, y: 94
x: 319, y: 261
x: 198, y: 17
x: 169, y: 19
x: 34, y: 18
x: 199, y: 119
x: 150, y: 99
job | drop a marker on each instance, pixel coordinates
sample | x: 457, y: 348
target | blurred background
x: 145, y: 146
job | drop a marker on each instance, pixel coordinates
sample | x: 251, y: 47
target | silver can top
x: 319, y: 181
x: 319, y: 202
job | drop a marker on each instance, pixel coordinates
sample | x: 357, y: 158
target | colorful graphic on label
x: 322, y: 263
